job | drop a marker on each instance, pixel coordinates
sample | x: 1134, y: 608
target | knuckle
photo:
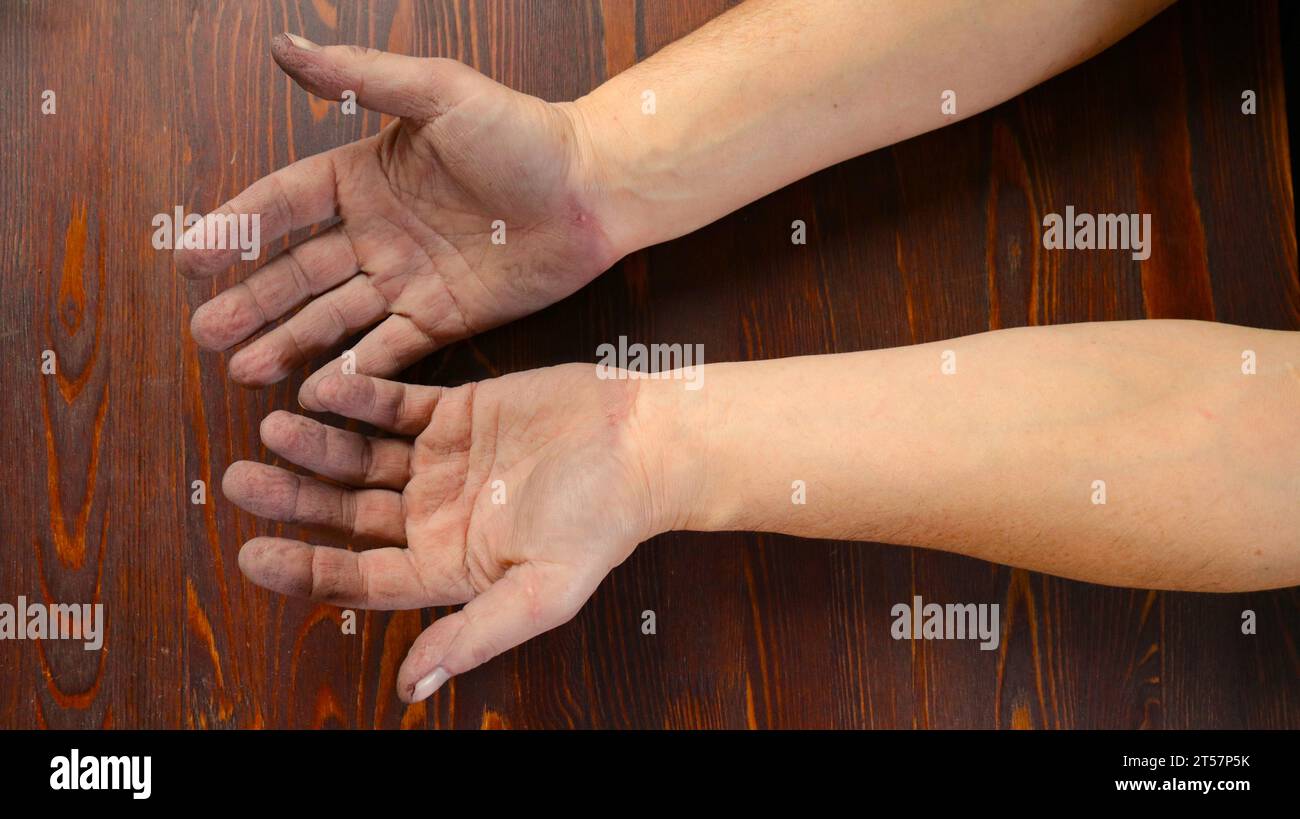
x: 570, y: 601
x: 332, y: 579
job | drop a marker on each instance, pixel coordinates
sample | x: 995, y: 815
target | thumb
x: 530, y: 599
x: 417, y: 88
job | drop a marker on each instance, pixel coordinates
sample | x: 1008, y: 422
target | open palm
x: 473, y: 209
x: 517, y: 495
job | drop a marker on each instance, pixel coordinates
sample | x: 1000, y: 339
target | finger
x: 278, y: 494
x: 530, y: 599
x: 382, y: 579
x: 386, y: 350
x: 412, y: 87
x: 293, y: 197
x: 303, y: 271
x: 338, y: 454
x: 402, y: 408
x: 318, y: 327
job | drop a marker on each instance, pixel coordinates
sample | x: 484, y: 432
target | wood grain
x: 161, y: 104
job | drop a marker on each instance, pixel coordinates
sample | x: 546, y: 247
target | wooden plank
x: 173, y: 104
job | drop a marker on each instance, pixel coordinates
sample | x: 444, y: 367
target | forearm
x: 776, y: 89
x: 1001, y: 458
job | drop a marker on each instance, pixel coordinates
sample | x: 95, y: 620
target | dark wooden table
x: 178, y: 103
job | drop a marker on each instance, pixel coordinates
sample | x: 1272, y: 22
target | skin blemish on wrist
x: 590, y: 234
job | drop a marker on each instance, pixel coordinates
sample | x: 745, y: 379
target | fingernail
x: 425, y: 687
x: 302, y: 42
x: 307, y: 388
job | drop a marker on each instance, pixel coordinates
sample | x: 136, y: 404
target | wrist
x: 698, y: 440
x: 633, y: 168
x: 606, y: 176
x: 736, y: 453
x: 671, y: 431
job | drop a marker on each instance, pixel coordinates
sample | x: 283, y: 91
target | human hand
x: 413, y: 247
x: 577, y: 463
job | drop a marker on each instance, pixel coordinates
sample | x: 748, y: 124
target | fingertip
x: 427, y: 655
x: 276, y: 430
x: 195, y: 256
x: 199, y: 327
x: 283, y: 47
x: 209, y: 325
x: 351, y: 395
x: 240, y: 370
x: 286, y: 41
x: 286, y: 55
x: 307, y: 398
x: 192, y: 264
x: 257, y: 365
x: 259, y: 489
x: 278, y: 564
x: 413, y: 679
x: 281, y: 42
x: 308, y: 65
x: 182, y: 265
x: 251, y: 557
x: 235, y: 478
x: 424, y: 687
x: 333, y: 392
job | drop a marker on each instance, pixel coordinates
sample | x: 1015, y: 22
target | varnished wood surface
x: 167, y: 103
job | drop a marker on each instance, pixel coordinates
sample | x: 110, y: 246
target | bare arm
x: 518, y: 494
x: 1009, y: 455
x: 776, y: 89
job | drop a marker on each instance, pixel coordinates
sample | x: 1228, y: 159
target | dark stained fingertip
x: 310, y: 67
x: 278, y: 565
x: 288, y: 56
x: 298, y: 41
x: 189, y: 263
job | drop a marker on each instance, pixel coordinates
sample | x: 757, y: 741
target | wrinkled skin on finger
x: 516, y: 496
x: 474, y: 208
